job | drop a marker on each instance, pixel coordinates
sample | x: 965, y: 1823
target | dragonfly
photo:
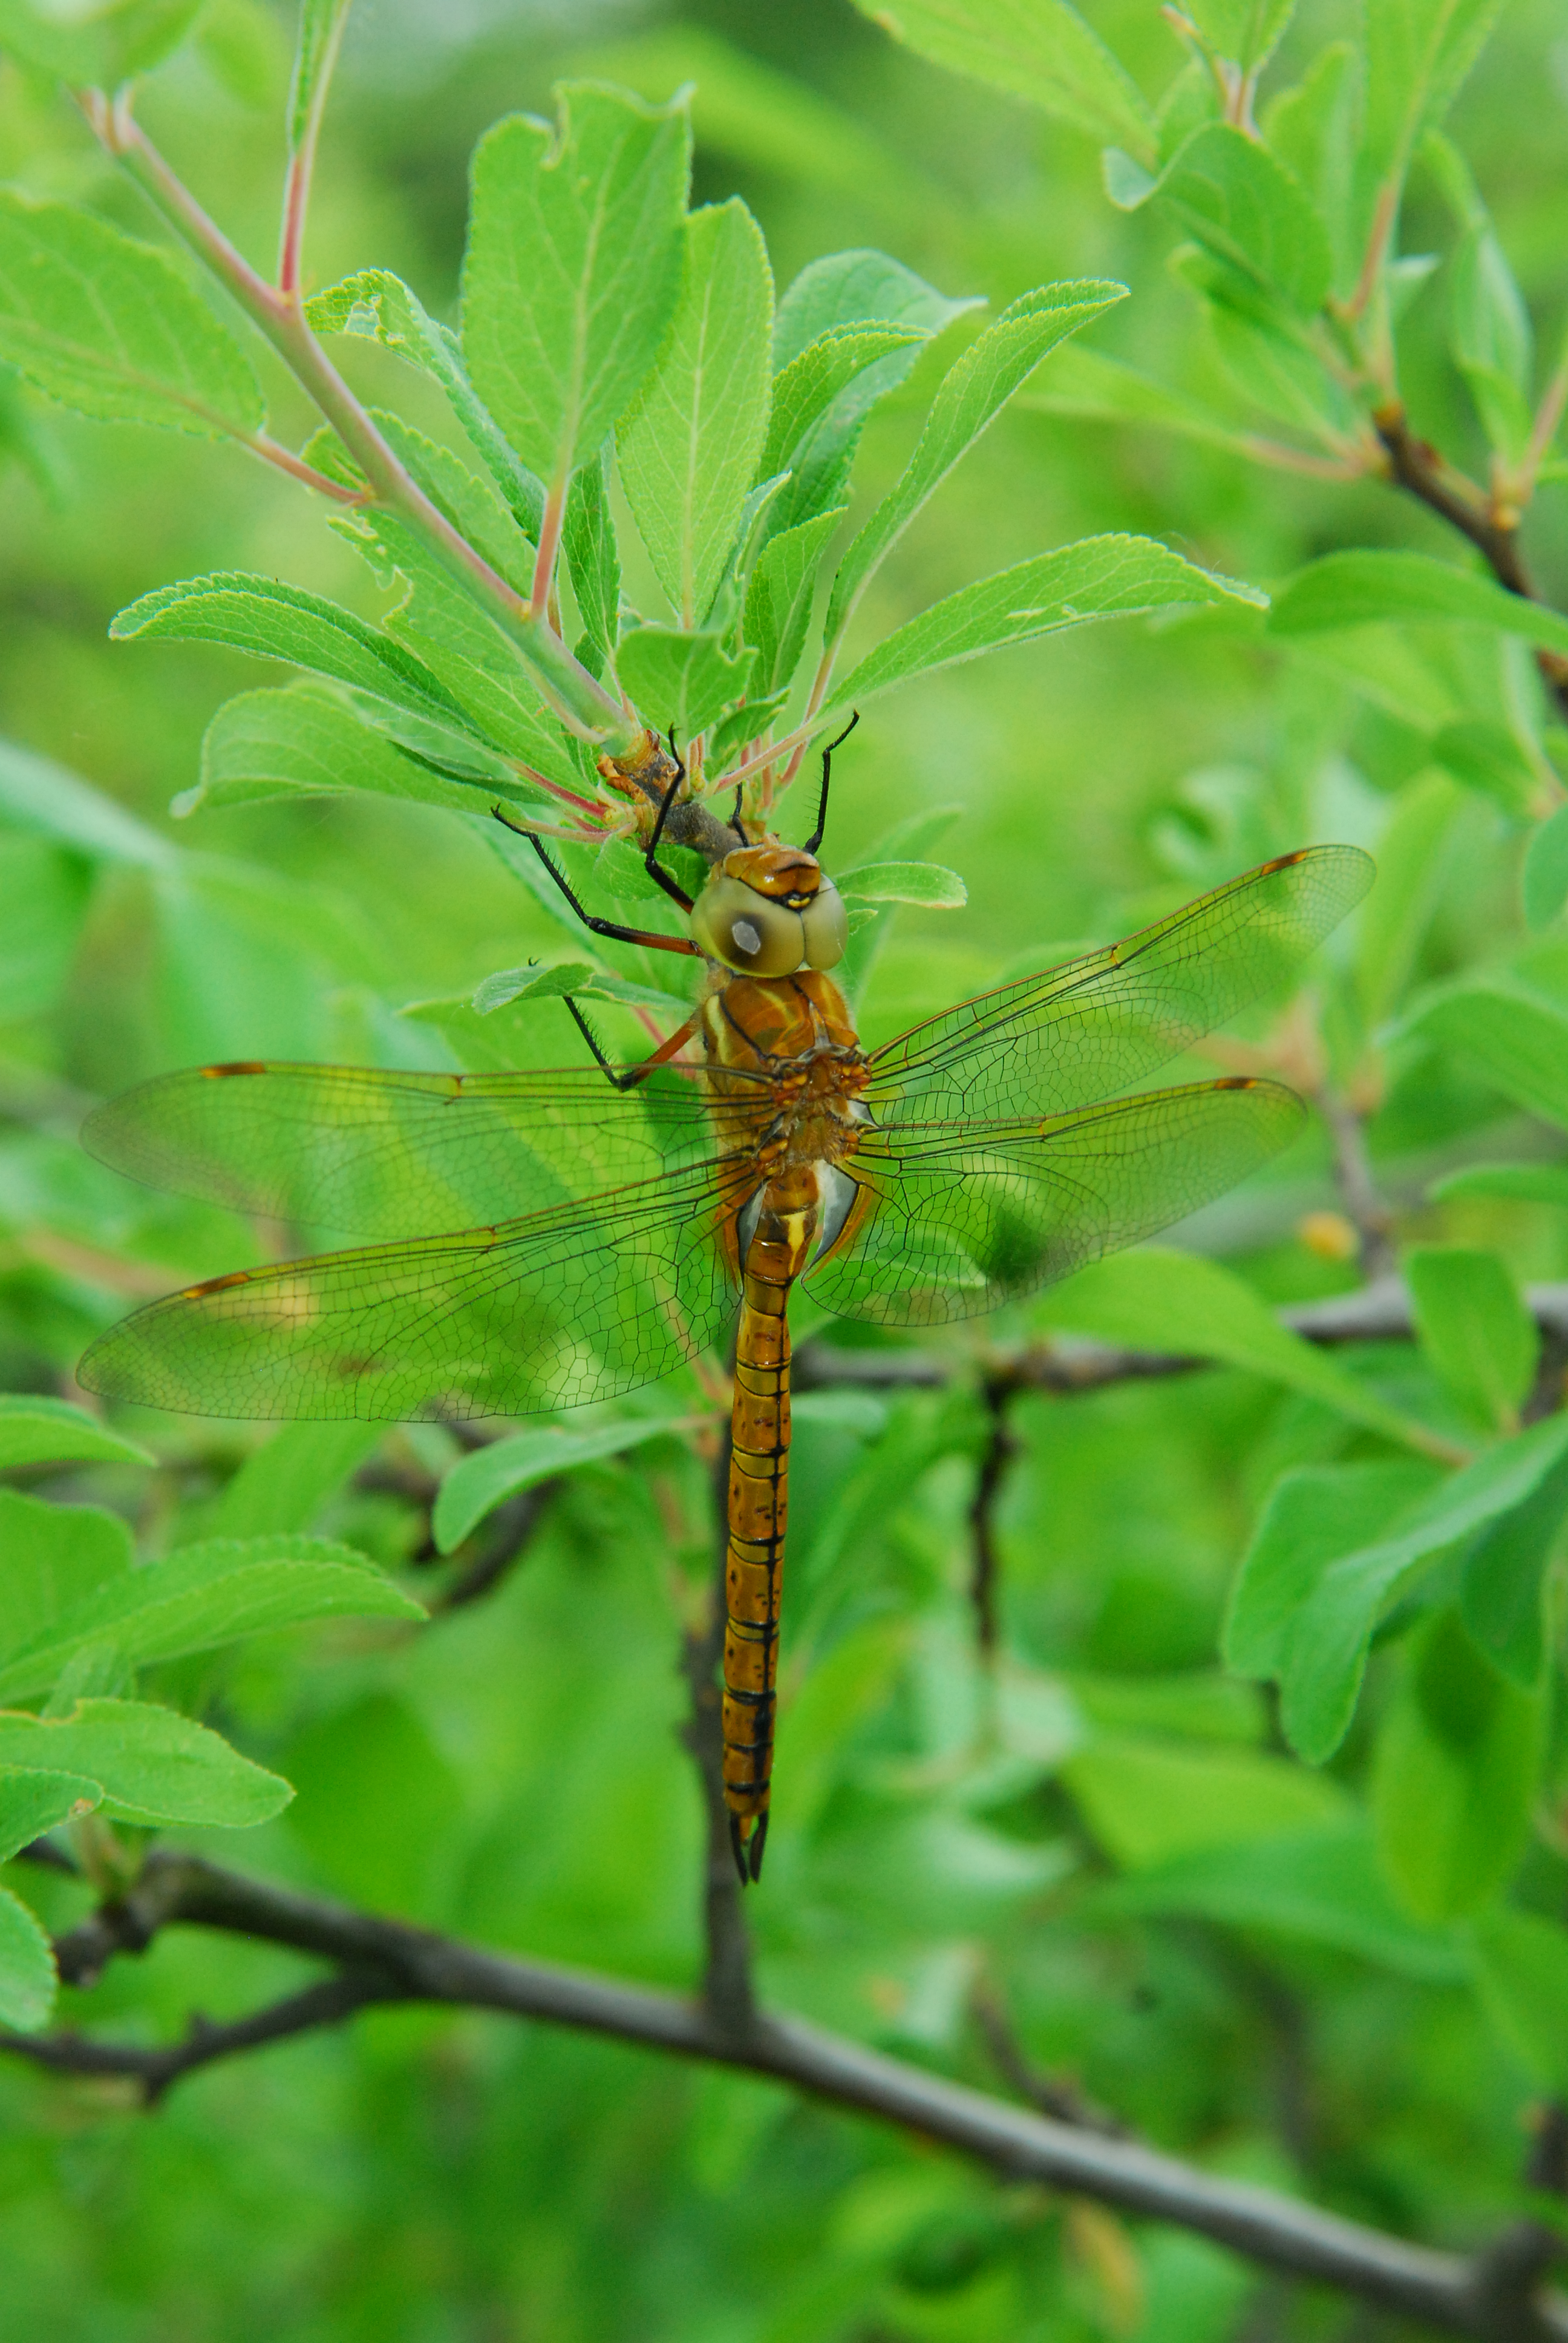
x: 979, y: 1156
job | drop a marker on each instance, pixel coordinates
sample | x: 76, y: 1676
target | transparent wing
x: 954, y: 1223
x: 1096, y: 1025
x: 394, y: 1154
x: 566, y: 1306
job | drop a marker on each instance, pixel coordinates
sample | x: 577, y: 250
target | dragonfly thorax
x: 768, y: 910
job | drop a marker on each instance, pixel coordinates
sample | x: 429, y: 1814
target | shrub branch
x: 377, y: 1960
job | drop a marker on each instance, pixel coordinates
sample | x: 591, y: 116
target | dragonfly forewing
x: 397, y: 1154
x: 1094, y: 1026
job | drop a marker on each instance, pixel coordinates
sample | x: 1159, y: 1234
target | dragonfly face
x: 544, y: 1239
x: 768, y: 910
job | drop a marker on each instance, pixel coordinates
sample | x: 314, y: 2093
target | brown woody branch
x: 1419, y: 469
x: 380, y: 1960
x: 1069, y: 1363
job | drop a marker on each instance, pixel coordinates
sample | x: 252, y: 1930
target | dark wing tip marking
x: 234, y: 1066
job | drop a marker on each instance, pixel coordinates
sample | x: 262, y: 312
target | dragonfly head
x: 768, y: 910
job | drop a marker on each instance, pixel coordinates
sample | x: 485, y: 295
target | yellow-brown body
x: 788, y: 1044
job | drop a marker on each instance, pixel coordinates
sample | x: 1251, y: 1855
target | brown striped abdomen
x: 760, y: 1505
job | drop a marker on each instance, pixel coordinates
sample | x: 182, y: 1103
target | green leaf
x: 110, y: 328
x: 1246, y: 32
x: 53, y: 1558
x: 863, y: 287
x: 1416, y: 53
x: 203, y: 1596
x: 1489, y: 759
x: 970, y: 397
x: 734, y: 732
x: 99, y: 48
x: 1099, y: 577
x: 154, y: 1767
x: 43, y: 800
x: 1520, y: 1184
x: 1502, y: 1581
x: 1157, y: 1299
x: 1321, y: 1886
x: 283, y: 1484
x: 1545, y: 880
x: 46, y: 892
x: 593, y: 557
x: 468, y: 501
x: 48, y: 1431
x: 1490, y: 336
x: 1474, y: 1329
x: 1312, y: 1516
x: 681, y: 680
x: 834, y: 314
x: 483, y: 1480
x: 817, y: 378
x: 28, y: 1979
x: 927, y: 884
x: 1087, y: 383
x: 1246, y: 209
x: 379, y: 307
x: 781, y: 595
x: 275, y: 744
x: 470, y: 654
x: 321, y: 24
x: 1308, y: 1600
x: 273, y: 620
x: 1413, y: 858
x: 533, y: 983
x: 1356, y: 589
x: 1454, y: 1776
x: 1149, y: 1801
x: 1517, y: 1038
x: 378, y: 1806
x: 820, y: 404
x: 573, y: 267
x: 689, y: 442
x: 1522, y: 1979
x: 34, y: 1799
x: 1312, y: 129
x: 1039, y: 50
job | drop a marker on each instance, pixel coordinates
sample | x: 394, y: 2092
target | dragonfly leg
x: 650, y: 862
x: 611, y: 928
x: 627, y: 1078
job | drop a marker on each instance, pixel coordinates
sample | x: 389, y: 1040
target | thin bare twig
x: 1068, y: 1364
x: 998, y: 1390
x: 1358, y: 1189
x: 1422, y: 471
x: 1052, y: 2095
x: 726, y: 1988
x: 384, y: 1960
x: 507, y: 1533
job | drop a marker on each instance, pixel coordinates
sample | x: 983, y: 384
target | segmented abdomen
x: 758, y: 1508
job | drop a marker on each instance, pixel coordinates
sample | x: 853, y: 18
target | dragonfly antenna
x: 815, y: 840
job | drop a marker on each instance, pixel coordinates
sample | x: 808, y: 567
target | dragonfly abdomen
x: 781, y: 1245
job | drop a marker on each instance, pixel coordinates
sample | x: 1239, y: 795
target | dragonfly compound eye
x: 827, y: 926
x: 733, y: 923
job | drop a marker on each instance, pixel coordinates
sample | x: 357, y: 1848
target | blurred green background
x: 423, y: 2180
